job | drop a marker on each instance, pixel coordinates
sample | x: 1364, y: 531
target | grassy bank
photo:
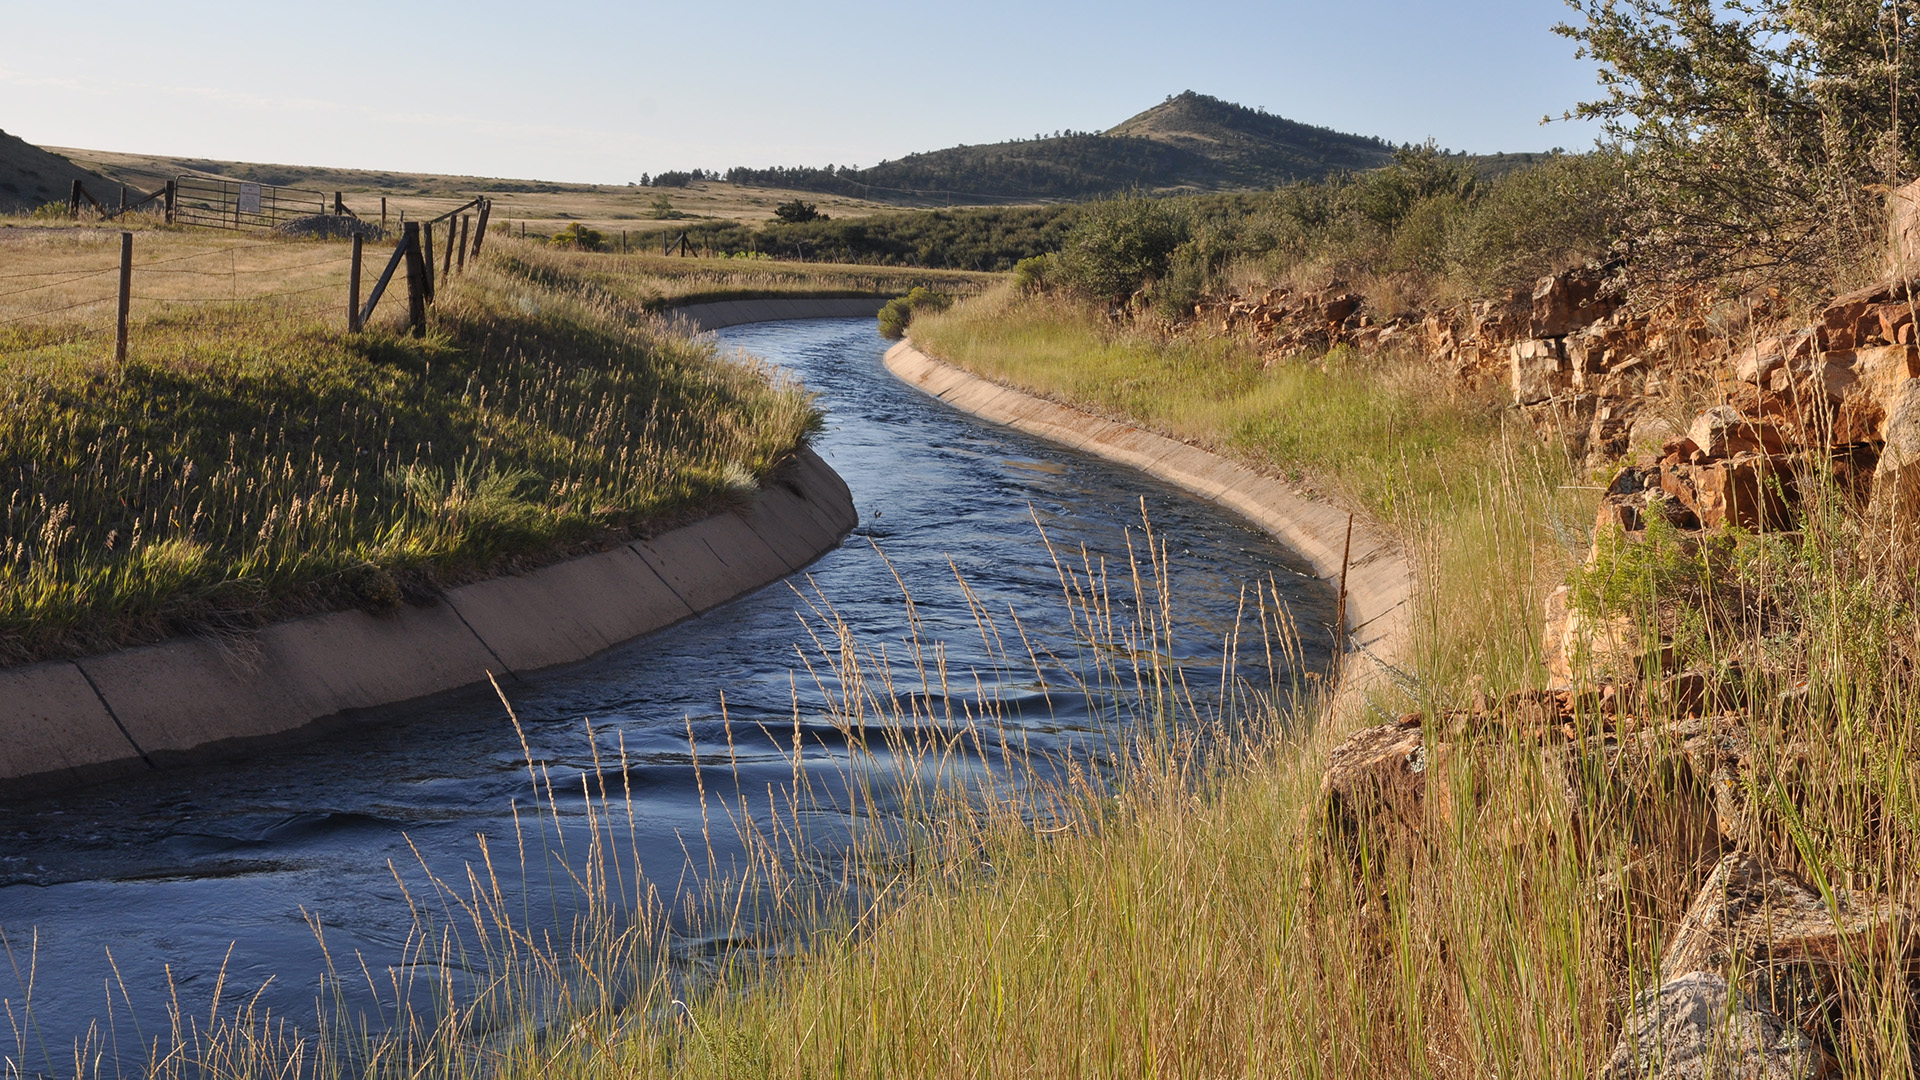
x: 1189, y: 925
x: 1200, y: 923
x: 251, y: 461
x: 1195, y: 917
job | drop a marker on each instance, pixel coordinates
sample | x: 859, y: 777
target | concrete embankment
x: 68, y: 723
x: 1379, y: 578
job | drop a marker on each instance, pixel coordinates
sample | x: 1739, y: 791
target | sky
x: 594, y: 91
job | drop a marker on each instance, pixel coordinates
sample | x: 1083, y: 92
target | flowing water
x: 184, y: 872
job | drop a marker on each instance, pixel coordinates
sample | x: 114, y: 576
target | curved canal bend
x: 169, y: 870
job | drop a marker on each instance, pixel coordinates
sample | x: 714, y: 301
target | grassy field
x: 540, y: 206
x: 251, y: 461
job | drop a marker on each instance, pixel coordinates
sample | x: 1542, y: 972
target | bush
x: 578, y: 236
x: 1764, y: 133
x: 796, y: 212
x: 1119, y: 247
x: 1034, y: 274
x: 898, y: 313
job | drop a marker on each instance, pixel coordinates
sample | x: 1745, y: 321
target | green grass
x: 1386, y: 434
x: 251, y: 462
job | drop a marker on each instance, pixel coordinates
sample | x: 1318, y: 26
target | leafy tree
x: 1764, y: 133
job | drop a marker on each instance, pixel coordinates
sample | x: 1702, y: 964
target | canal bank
x: 1346, y: 551
x: 70, y: 723
x: 73, y: 722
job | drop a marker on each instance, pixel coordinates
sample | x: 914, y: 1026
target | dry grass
x: 542, y: 206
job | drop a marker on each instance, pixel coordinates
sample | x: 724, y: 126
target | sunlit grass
x: 250, y: 460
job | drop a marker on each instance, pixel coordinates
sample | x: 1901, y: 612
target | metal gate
x: 238, y: 204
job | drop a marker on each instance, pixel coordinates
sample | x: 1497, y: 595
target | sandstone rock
x: 1750, y: 491
x: 1879, y: 370
x: 1376, y: 779
x: 1554, y: 640
x: 1722, y: 432
x: 1650, y: 430
x: 1757, y: 362
x: 1894, y: 505
x: 1903, y: 231
x: 1790, y: 945
x: 1568, y: 301
x: 1538, y: 371
x: 1696, y: 1027
x: 1713, y: 430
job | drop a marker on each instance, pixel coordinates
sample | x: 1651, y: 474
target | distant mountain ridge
x: 1188, y: 142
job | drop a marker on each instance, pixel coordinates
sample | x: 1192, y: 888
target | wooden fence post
x: 425, y: 247
x: 383, y: 213
x: 73, y: 200
x: 465, y: 220
x: 126, y: 296
x: 353, y: 287
x: 480, y: 227
x: 446, y: 268
x: 418, y: 282
x: 380, y: 286
x: 123, y: 201
x: 171, y: 195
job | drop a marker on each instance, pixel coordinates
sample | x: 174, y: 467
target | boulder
x: 1749, y: 491
x: 1696, y: 1027
x: 1376, y: 779
x: 1567, y: 301
x: 1894, y: 504
x: 1538, y: 369
x: 1903, y: 231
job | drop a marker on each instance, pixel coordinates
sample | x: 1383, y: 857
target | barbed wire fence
x: 178, y: 283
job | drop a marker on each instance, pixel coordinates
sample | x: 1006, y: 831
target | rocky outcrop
x: 1760, y: 973
x: 1697, y: 1027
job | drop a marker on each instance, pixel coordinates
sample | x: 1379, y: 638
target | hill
x: 31, y: 177
x: 1190, y: 142
x: 542, y: 205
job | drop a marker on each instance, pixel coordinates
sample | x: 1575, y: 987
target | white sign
x: 249, y: 198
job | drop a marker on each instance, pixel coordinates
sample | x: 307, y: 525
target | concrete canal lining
x: 69, y: 723
x: 1379, y: 578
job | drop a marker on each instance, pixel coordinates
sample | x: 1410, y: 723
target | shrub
x: 797, y: 211
x: 1763, y: 132
x: 1119, y: 247
x: 578, y: 236
x: 899, y: 311
x: 1034, y: 274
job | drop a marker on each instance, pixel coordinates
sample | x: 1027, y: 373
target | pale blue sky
x: 595, y: 91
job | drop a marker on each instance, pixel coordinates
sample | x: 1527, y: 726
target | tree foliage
x: 1120, y: 246
x: 797, y: 211
x: 1764, y: 133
